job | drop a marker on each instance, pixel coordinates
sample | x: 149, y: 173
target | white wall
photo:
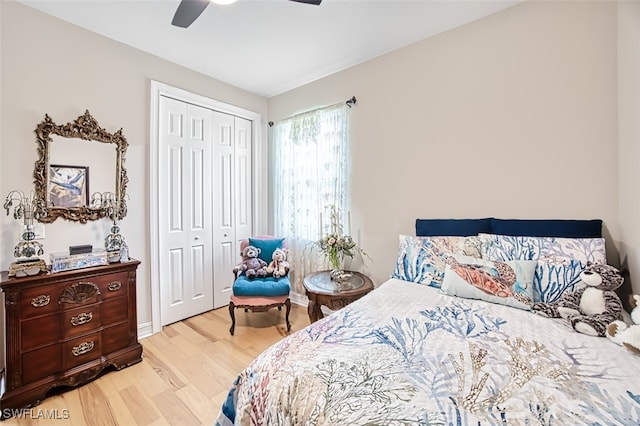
x: 629, y: 136
x: 511, y: 116
x: 50, y: 66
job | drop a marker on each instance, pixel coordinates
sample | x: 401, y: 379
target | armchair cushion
x: 265, y: 287
x: 266, y: 246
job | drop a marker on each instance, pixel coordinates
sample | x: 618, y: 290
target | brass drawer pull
x: 82, y: 318
x: 40, y: 301
x: 81, y: 349
x: 114, y: 286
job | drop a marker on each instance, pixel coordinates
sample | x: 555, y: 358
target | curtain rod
x: 349, y: 102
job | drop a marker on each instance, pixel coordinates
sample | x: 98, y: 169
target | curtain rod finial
x: 351, y: 102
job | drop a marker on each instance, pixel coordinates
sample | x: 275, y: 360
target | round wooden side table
x: 322, y: 290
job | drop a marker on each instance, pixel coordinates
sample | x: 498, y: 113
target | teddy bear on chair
x: 591, y: 309
x: 278, y: 267
x: 627, y: 335
x: 251, y: 265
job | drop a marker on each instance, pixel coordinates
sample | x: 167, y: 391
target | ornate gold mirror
x: 76, y: 160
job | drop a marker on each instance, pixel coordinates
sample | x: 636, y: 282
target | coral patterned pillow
x: 560, y: 260
x: 504, y: 282
x: 423, y: 259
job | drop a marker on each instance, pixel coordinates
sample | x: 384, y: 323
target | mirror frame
x: 86, y: 128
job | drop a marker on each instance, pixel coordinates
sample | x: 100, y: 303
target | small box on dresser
x: 61, y: 262
x: 63, y: 329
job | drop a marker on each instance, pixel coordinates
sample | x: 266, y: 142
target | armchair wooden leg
x: 287, y: 303
x: 232, y: 308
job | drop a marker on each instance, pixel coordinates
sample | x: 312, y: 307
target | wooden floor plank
x: 198, y: 403
x: 162, y: 370
x: 120, y: 409
x: 96, y: 408
x: 174, y: 410
x: 141, y: 407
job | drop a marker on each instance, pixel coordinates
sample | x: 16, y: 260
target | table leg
x: 314, y: 311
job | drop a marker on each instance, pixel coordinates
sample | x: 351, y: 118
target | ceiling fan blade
x: 188, y: 11
x: 316, y: 2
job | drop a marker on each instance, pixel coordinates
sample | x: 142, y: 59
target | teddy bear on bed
x: 278, y: 267
x: 251, y: 265
x: 591, y: 309
x: 625, y: 334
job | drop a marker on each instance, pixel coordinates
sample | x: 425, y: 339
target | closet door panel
x: 243, y: 177
x: 226, y: 248
x: 186, y: 278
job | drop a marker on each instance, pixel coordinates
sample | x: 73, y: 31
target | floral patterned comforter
x: 408, y: 354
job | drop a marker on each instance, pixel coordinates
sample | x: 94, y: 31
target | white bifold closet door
x: 205, y: 205
x: 232, y: 202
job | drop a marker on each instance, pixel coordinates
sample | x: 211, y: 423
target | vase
x: 338, y: 273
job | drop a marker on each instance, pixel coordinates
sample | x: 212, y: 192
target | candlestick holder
x: 114, y: 243
x: 26, y: 208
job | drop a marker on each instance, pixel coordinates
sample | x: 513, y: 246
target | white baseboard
x: 299, y: 299
x: 145, y: 330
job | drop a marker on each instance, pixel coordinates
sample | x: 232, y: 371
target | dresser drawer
x: 39, y: 300
x: 113, y: 285
x: 40, y: 331
x: 80, y: 320
x: 116, y: 337
x: 115, y: 310
x: 41, y: 363
x: 80, y: 350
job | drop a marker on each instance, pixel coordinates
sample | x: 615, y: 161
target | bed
x: 413, y: 353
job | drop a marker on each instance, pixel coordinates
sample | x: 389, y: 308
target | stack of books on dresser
x: 66, y: 261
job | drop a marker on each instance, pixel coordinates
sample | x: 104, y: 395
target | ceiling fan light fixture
x: 222, y: 2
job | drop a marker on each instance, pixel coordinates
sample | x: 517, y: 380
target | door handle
x: 196, y: 238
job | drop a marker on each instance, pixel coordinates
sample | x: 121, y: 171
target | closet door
x: 185, y: 230
x: 243, y: 177
x: 232, y: 202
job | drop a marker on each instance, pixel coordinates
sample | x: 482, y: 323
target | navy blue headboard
x: 566, y: 228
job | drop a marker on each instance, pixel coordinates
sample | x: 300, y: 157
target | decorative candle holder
x: 114, y: 243
x: 26, y: 252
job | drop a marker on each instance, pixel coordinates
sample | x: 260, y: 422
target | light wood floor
x: 184, y: 376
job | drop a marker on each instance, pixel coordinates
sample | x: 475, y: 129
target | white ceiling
x: 270, y: 46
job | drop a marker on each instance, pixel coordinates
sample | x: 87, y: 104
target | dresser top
x: 42, y: 278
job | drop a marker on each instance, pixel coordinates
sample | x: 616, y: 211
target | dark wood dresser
x: 63, y: 329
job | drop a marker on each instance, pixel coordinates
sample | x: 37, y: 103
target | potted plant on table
x: 336, y: 245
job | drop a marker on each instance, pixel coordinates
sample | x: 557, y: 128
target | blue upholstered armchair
x: 260, y: 294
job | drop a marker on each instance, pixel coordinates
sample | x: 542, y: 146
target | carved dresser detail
x: 63, y: 329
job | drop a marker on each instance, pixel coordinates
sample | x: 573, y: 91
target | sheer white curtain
x: 311, y: 166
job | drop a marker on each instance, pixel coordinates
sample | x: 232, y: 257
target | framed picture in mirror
x: 68, y: 186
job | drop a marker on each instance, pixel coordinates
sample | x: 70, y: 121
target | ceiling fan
x: 189, y: 10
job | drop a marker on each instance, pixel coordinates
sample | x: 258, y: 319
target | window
x: 311, y: 166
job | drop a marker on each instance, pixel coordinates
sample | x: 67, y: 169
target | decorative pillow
x: 506, y: 283
x: 266, y: 246
x: 452, y: 227
x: 560, y: 260
x: 504, y: 247
x: 553, y: 277
x: 547, y: 227
x: 423, y: 259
